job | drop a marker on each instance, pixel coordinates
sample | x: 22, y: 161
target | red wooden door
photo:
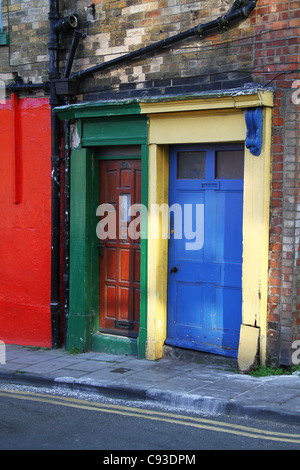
x: 120, y: 186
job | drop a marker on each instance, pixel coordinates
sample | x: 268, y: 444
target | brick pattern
x: 28, y: 25
x: 262, y: 49
x: 117, y: 27
x: 123, y: 26
x: 276, y: 61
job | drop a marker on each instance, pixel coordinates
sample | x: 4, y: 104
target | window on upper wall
x: 4, y: 37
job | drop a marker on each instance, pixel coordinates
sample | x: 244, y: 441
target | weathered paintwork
x: 218, y: 119
x: 205, y: 263
x: 83, y: 318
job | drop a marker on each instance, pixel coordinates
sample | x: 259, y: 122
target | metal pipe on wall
x: 236, y: 13
x: 57, y: 25
x: 55, y: 177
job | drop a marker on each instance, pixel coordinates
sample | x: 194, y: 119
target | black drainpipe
x: 55, y: 177
x: 236, y: 13
x: 57, y: 26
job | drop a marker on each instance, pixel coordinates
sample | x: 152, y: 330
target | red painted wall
x: 25, y: 227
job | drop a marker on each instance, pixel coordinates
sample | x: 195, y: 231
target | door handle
x: 174, y: 270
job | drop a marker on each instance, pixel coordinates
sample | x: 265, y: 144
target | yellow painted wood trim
x: 267, y: 142
x: 208, y: 102
x: 256, y: 211
x: 214, y: 128
x: 248, y: 347
x: 200, y: 128
x: 157, y: 252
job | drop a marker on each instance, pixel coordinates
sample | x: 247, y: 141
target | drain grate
x: 120, y: 370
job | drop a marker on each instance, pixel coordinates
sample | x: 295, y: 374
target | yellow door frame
x: 211, y: 119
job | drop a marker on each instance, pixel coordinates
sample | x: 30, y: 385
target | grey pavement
x: 198, y: 383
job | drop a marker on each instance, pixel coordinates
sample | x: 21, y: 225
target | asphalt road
x: 41, y: 419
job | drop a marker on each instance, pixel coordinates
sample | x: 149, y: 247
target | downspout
x: 77, y: 35
x: 236, y: 13
x: 57, y: 25
x: 66, y: 222
x: 55, y: 177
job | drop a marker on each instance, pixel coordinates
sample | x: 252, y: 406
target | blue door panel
x: 208, y: 272
x: 204, y: 291
x: 227, y: 300
x: 189, y: 308
x: 231, y: 275
x: 187, y: 198
x: 229, y: 213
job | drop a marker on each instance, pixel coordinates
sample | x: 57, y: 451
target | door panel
x: 189, y: 309
x: 204, y: 290
x: 120, y: 185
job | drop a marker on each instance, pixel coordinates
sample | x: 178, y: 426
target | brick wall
x: 121, y: 27
x: 276, y: 61
x: 253, y: 50
x: 116, y: 27
x: 28, y: 25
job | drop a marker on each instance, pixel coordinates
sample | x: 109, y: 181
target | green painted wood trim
x: 84, y: 257
x: 4, y: 39
x: 120, y: 157
x: 135, y: 106
x: 98, y: 109
x: 142, y: 338
x: 83, y: 317
x: 114, y: 130
x: 111, y: 344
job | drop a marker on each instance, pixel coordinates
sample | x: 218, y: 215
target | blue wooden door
x: 205, y: 248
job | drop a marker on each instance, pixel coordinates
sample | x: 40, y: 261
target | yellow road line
x: 195, y: 422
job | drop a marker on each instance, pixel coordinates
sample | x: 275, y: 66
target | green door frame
x: 100, y: 124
